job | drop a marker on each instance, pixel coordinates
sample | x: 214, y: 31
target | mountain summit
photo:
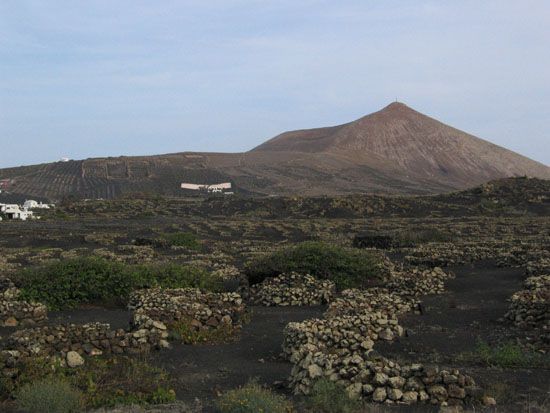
x: 414, y: 143
x: 396, y: 150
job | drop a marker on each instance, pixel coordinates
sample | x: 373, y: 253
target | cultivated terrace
x: 332, y: 304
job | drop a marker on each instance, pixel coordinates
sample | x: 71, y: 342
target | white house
x: 206, y: 187
x: 32, y: 204
x: 5, y: 208
x: 13, y: 211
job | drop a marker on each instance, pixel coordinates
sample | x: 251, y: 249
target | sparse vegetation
x: 182, y: 330
x: 182, y: 239
x: 508, y: 355
x: 253, y: 398
x: 347, y: 268
x: 49, y: 396
x: 329, y: 397
x: 143, y: 242
x: 100, y: 382
x: 122, y: 380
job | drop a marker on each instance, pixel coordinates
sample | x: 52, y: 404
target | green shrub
x: 174, y: 276
x: 182, y: 330
x: 329, y: 397
x: 507, y: 355
x: 49, y: 396
x: 69, y: 283
x: 122, y: 381
x: 30, y: 370
x: 182, y: 239
x: 348, y: 268
x: 101, y: 381
x: 253, y: 398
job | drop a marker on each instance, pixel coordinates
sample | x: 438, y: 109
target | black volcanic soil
x: 203, y: 371
x: 449, y: 327
x: 452, y: 324
x: 469, y: 310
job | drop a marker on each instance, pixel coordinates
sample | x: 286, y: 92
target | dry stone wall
x: 70, y: 342
x: 14, y: 311
x: 381, y: 380
x: 340, y: 346
x: 505, y: 253
x: 530, y: 311
x: 202, y: 309
x: 148, y: 330
x: 292, y: 289
x: 416, y: 282
x: 538, y: 267
x: 354, y: 301
x: 400, y: 294
x: 351, y: 332
x: 90, y: 339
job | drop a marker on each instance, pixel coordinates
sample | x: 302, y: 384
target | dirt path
x: 202, y: 371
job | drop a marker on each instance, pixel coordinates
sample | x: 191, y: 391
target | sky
x: 92, y: 78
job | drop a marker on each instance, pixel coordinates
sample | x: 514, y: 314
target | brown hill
x: 395, y: 150
x: 415, y: 143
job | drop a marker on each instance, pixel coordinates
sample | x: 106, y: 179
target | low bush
x: 69, y: 283
x: 347, y: 268
x: 253, y: 398
x: 174, y: 276
x: 182, y: 239
x: 182, y: 330
x: 329, y: 397
x: 49, y: 396
x: 122, y: 381
x: 31, y: 370
x: 101, y: 382
x: 507, y: 355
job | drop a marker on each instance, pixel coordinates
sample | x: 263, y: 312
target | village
x: 27, y: 210
x: 22, y: 212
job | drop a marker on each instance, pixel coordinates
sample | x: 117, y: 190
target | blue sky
x: 129, y: 77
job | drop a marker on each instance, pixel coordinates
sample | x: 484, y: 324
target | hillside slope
x: 416, y: 143
x: 395, y: 150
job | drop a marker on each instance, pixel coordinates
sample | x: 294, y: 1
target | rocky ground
x: 451, y: 326
x: 489, y: 258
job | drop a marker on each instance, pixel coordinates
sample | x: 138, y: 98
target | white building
x: 216, y: 188
x: 32, y: 204
x: 13, y: 211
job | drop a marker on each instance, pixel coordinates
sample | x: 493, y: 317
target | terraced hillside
x: 396, y: 150
x: 451, y: 312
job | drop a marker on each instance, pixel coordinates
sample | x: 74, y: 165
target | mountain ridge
x: 393, y: 150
